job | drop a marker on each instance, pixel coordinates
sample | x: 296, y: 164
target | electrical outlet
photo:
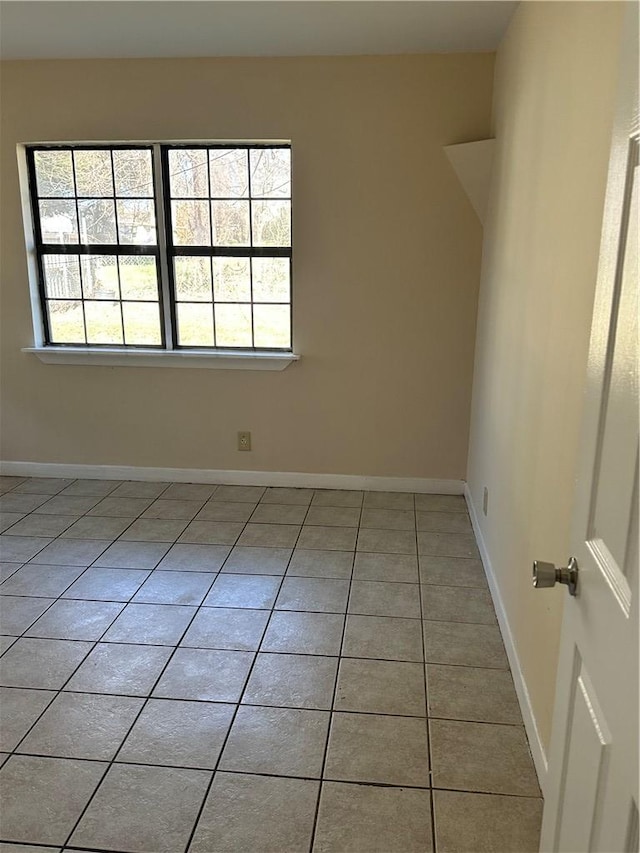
x: 244, y: 441
x: 485, y: 500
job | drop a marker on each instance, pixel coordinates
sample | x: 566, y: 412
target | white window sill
x: 120, y: 357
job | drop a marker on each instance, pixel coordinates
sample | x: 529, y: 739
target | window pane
x: 62, y: 276
x: 58, y: 222
x: 66, y: 323
x: 99, y: 276
x: 271, y: 223
x: 229, y: 173
x: 188, y: 173
x: 104, y: 324
x: 141, y: 323
x: 191, y: 223
x: 97, y: 221
x: 138, y: 277
x: 272, y: 326
x: 193, y: 279
x: 195, y: 325
x: 231, y: 279
x: 271, y: 279
x: 133, y: 173
x: 54, y: 173
x: 233, y: 325
x: 271, y: 172
x: 230, y: 223
x: 93, y: 173
x: 136, y: 222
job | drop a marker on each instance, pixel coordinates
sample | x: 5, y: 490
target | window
x: 171, y: 247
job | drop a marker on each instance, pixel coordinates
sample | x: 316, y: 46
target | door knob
x: 546, y: 574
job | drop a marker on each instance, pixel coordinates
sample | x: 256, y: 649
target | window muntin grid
x: 103, y: 280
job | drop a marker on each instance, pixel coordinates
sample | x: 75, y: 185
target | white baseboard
x: 535, y: 743
x: 423, y: 485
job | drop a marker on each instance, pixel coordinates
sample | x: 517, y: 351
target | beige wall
x: 387, y: 258
x: 553, y: 106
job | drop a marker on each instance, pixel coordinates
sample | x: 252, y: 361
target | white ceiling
x: 30, y: 29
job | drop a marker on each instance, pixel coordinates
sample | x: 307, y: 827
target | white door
x: 591, y: 797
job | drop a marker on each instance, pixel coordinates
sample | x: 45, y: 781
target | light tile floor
x: 232, y: 668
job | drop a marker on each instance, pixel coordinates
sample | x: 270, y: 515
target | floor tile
x: 337, y: 497
x: 482, y: 757
x: 321, y: 564
x: 381, y: 687
x: 194, y: 558
x: 43, y: 485
x: 328, y: 538
x: 257, y: 561
x: 19, y: 549
x: 96, y: 527
x: 466, y: 693
x: 441, y: 503
x: 278, y: 741
x: 331, y: 516
x: 20, y: 709
x: 387, y: 541
x: 279, y: 514
x: 323, y: 595
x: 383, y: 637
x: 280, y: 495
x: 178, y: 734
x: 8, y: 569
x: 91, y: 488
x: 239, y: 494
x: 45, y: 664
x: 150, y: 624
x: 22, y: 503
x: 457, y: 604
x: 226, y: 628
x: 373, y: 598
x: 401, y: 568
x: 212, y: 532
x: 71, y: 552
x: 120, y: 507
x: 452, y: 571
x: 17, y: 613
x: 291, y: 681
x: 41, y: 581
x: 388, y: 519
x: 66, y: 505
x: 75, y: 620
x: 373, y: 819
x: 466, y: 821
x: 42, y: 525
x: 253, y: 591
x: 132, y: 555
x: 138, y: 489
x: 464, y: 644
x: 304, y: 633
x: 128, y: 670
x: 26, y: 848
x: 443, y: 522
x: 8, y: 481
x: 107, y: 584
x: 143, y: 809
x: 373, y: 748
x: 153, y: 530
x: 79, y: 725
x: 448, y: 545
x: 7, y: 521
x: 5, y: 643
x: 256, y: 813
x: 206, y: 674
x: 173, y: 509
x: 189, y: 491
x: 388, y: 500
x: 174, y: 588
x: 30, y: 788
x: 270, y: 535
x: 225, y: 511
